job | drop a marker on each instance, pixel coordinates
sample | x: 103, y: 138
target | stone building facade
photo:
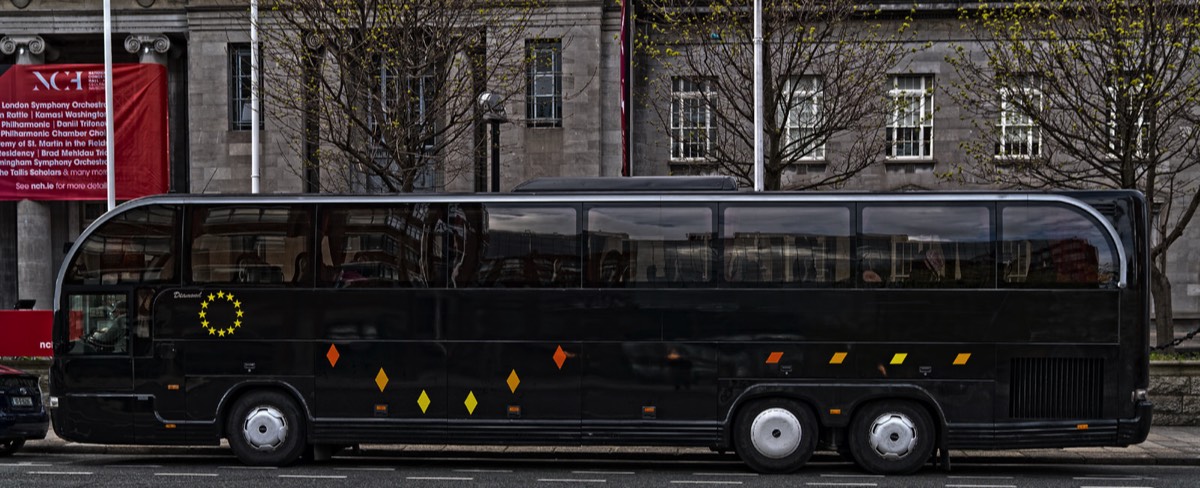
x: 197, y: 41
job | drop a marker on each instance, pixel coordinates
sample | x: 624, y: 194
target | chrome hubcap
x: 265, y: 428
x: 775, y: 433
x: 893, y: 436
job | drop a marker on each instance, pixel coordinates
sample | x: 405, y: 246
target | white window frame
x: 538, y: 78
x: 912, y: 116
x: 805, y: 113
x: 1018, y: 130
x: 691, y: 142
x: 1140, y: 151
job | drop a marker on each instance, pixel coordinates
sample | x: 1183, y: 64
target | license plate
x: 21, y: 401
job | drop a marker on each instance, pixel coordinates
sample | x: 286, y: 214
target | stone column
x: 35, y: 273
x: 152, y: 48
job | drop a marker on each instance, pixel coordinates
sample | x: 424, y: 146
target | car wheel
x: 891, y: 437
x: 8, y: 448
x: 775, y: 435
x: 266, y: 428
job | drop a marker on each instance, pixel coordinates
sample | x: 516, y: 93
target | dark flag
x: 625, y: 61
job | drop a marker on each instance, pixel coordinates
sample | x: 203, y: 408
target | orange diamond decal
x: 381, y: 380
x: 332, y: 355
x: 513, y: 381
x: 559, y: 357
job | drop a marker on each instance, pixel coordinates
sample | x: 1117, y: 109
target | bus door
x: 158, y: 372
x: 93, y: 363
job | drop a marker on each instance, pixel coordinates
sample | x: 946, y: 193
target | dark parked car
x: 22, y: 415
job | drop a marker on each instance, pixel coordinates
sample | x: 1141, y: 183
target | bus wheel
x: 893, y: 437
x: 775, y: 435
x: 265, y: 428
x: 8, y: 448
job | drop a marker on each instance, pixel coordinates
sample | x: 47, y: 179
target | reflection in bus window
x: 381, y: 246
x: 248, y: 244
x: 927, y: 246
x: 137, y: 246
x: 663, y: 246
x: 516, y: 246
x: 1053, y: 246
x: 787, y: 245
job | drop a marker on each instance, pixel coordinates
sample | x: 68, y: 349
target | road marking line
x: 981, y: 486
x: 980, y: 477
x: 61, y: 472
x: 851, y: 476
x: 603, y: 472
x: 186, y: 474
x: 364, y: 469
x: 841, y: 484
x: 705, y: 482
x: 724, y: 474
x: 438, y: 478
x: 247, y: 467
x: 25, y: 464
x: 570, y: 480
x: 139, y: 466
x: 312, y: 476
x: 483, y: 471
x: 1109, y: 478
x: 1114, y: 486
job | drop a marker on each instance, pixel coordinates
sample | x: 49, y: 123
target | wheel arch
x: 234, y: 393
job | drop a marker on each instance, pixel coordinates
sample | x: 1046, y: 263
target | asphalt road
x: 398, y: 469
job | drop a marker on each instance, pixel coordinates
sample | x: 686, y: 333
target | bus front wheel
x: 891, y: 437
x: 265, y: 428
x: 775, y: 435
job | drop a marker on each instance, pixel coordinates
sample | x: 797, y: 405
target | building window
x: 804, y: 116
x: 1127, y: 107
x: 239, y: 87
x: 543, y: 100
x: 910, y: 130
x: 1020, y: 137
x: 691, y: 119
x: 406, y: 111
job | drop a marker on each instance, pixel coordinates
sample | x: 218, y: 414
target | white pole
x: 254, y: 151
x: 109, y: 147
x: 758, y: 97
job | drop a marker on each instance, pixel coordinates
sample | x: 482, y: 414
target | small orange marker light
x: 649, y: 412
x: 1082, y: 426
x: 170, y: 426
x: 172, y: 387
x: 835, y: 411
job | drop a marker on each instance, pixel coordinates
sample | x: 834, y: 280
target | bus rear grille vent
x: 1106, y: 209
x: 16, y: 382
x: 1056, y: 388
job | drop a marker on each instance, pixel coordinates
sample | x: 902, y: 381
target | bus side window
x: 136, y: 246
x: 1054, y: 247
x: 248, y: 244
x: 786, y: 245
x: 650, y: 245
x: 927, y: 246
x: 98, y: 324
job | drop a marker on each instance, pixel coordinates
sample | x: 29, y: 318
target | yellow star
x: 229, y: 297
x: 203, y: 304
x: 212, y: 331
x: 203, y: 323
x: 237, y: 323
x: 237, y: 304
x: 239, y: 313
x: 229, y: 330
x: 210, y: 297
x: 220, y: 294
x: 221, y: 332
x: 203, y: 313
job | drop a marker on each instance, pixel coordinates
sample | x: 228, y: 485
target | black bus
x: 892, y: 327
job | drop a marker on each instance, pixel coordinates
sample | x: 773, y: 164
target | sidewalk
x: 1165, y: 446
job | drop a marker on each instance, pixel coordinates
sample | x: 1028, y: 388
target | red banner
x: 52, y: 138
x: 25, y: 333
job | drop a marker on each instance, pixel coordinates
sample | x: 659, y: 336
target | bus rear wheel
x: 265, y: 428
x: 891, y: 437
x: 775, y: 435
x: 8, y: 448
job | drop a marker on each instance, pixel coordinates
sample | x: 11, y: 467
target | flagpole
x: 254, y: 150
x: 758, y: 97
x: 109, y: 149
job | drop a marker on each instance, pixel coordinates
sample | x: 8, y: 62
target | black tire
x: 775, y: 435
x: 266, y: 428
x: 8, y: 448
x: 891, y: 437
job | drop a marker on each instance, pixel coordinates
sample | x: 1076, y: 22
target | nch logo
x: 60, y: 81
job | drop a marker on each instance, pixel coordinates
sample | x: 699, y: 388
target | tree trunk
x: 1164, y: 318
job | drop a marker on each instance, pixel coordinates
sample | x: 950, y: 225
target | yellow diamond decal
x: 962, y: 359
x: 423, y: 401
x: 471, y: 403
x: 513, y: 381
x: 899, y: 358
x: 381, y: 379
x: 838, y: 358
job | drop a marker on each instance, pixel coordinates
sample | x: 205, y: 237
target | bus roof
x: 636, y: 184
